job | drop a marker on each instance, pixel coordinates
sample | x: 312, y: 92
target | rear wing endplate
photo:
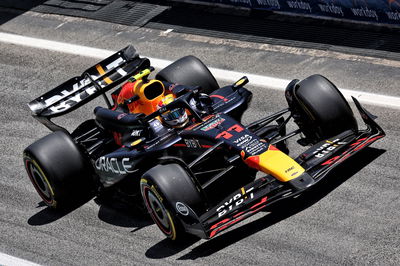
x: 95, y: 81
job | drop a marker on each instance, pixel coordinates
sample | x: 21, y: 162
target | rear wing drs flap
x: 95, y: 81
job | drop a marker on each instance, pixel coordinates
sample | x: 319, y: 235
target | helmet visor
x: 173, y: 114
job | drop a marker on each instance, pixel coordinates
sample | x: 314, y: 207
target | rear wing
x: 95, y: 81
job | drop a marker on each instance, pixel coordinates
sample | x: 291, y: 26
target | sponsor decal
x: 393, y: 15
x: 236, y: 200
x: 250, y: 145
x: 156, y: 125
x: 209, y: 117
x: 113, y: 165
x: 192, y: 143
x: 243, y: 141
x: 163, y: 109
x: 365, y: 12
x: 384, y: 11
x: 120, y: 116
x: 115, y: 64
x: 196, y: 125
x: 331, y: 9
x: 326, y: 148
x: 299, y: 5
x: 225, y: 223
x: 219, y: 97
x: 224, y: 101
x: 255, y: 147
x: 182, y: 208
x: 212, y: 124
x: 248, y: 2
x: 269, y: 3
x: 192, y: 126
x: 359, y: 144
x: 136, y: 133
x: 289, y: 169
x: 148, y: 147
x: 72, y: 99
x: 172, y: 86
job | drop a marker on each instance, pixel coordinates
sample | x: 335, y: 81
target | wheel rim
x: 40, y: 182
x: 158, y: 212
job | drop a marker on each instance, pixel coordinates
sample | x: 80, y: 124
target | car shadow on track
x: 276, y: 213
x: 49, y: 215
x: 124, y: 217
x: 167, y: 247
x: 109, y: 212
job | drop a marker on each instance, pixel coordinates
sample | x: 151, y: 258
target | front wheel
x: 168, y: 192
x: 319, y: 108
x: 158, y: 211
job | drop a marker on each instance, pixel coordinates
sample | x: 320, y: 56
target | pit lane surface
x: 351, y: 219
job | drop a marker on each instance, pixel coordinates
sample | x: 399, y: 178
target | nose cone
x: 275, y: 163
x: 302, y: 182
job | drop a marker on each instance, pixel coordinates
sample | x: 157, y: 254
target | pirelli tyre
x: 167, y: 190
x: 190, y: 71
x: 319, y: 108
x: 58, y: 170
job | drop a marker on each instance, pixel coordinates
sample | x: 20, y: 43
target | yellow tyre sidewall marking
x: 158, y: 196
x: 33, y: 161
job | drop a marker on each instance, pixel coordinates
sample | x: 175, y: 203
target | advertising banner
x: 381, y: 11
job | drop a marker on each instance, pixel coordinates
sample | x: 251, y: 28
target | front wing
x: 318, y: 161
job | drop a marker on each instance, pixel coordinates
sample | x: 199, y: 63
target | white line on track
x: 221, y: 74
x: 8, y: 260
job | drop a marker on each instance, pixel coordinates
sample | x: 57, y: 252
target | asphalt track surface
x: 353, y: 218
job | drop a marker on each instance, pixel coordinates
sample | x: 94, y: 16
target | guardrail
x: 373, y: 11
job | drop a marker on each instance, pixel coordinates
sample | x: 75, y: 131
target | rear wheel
x: 58, y: 170
x: 190, y: 71
x: 168, y: 190
x: 319, y: 108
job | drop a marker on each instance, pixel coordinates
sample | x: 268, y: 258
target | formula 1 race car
x: 200, y: 178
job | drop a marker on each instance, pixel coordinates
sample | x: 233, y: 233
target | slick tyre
x: 162, y: 187
x: 58, y: 170
x: 322, y: 111
x: 190, y: 71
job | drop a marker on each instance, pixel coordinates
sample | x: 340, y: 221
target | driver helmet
x: 176, y: 117
x: 150, y: 92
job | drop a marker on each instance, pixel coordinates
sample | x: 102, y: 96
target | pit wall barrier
x: 373, y: 11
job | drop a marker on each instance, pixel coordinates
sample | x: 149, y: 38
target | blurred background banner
x: 124, y: 11
x: 381, y: 11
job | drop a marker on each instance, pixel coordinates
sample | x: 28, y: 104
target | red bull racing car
x: 205, y: 176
